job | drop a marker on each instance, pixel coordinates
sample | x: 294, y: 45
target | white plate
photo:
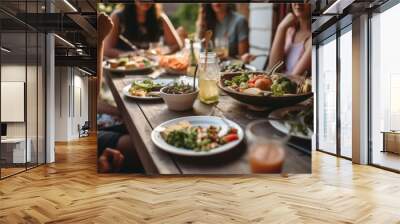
x: 174, y: 72
x: 120, y: 69
x: 284, y: 127
x: 163, y: 82
x: 250, y: 68
x: 203, y: 121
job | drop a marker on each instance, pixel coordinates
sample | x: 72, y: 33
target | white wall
x: 33, y: 127
x: 14, y: 73
x: 61, y: 104
x: 260, y: 25
x: 71, y: 103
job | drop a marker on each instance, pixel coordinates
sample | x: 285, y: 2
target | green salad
x: 277, y: 85
x: 196, y: 138
x: 179, y: 88
x: 143, y: 88
x: 282, y: 86
x: 300, y: 121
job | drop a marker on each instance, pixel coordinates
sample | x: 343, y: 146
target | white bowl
x: 179, y: 102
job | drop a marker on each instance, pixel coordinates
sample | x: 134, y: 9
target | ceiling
x: 21, y: 21
x: 330, y: 15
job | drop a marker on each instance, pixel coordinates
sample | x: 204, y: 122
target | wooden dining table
x: 141, y: 117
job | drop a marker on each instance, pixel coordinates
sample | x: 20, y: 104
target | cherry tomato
x: 230, y: 137
x: 233, y: 131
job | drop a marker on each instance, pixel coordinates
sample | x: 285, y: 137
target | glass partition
x: 22, y: 90
x: 32, y: 98
x: 15, y: 151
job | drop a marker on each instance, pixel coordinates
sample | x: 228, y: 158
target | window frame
x: 378, y: 10
x: 343, y: 26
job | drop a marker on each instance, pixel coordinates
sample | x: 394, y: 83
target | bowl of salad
x: 197, y: 135
x: 179, y: 96
x: 263, y: 90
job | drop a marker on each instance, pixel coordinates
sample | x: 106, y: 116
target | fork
x: 221, y: 115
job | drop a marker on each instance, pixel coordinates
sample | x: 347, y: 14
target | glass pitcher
x: 208, y: 74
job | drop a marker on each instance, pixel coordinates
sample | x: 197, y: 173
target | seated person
x: 225, y: 24
x: 115, y: 149
x: 292, y: 42
x: 141, y: 23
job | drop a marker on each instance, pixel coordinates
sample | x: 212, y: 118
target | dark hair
x: 208, y: 18
x: 129, y: 17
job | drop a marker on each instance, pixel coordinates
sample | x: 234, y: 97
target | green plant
x: 107, y: 8
x: 185, y: 16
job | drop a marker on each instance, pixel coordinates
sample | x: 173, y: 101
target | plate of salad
x: 264, y: 90
x: 128, y: 64
x: 145, y: 89
x: 232, y: 66
x: 296, y: 121
x: 197, y: 135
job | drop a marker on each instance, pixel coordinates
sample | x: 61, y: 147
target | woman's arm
x: 243, y: 36
x: 243, y: 47
x: 105, y: 108
x: 278, y: 45
x: 171, y: 37
x: 304, y: 63
x: 112, y: 39
x: 106, y: 25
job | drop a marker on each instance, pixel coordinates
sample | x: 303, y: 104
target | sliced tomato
x: 233, y: 131
x: 230, y: 138
x: 251, y: 85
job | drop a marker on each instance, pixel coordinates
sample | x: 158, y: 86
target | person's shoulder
x: 239, y: 20
x: 238, y: 17
x: 117, y: 13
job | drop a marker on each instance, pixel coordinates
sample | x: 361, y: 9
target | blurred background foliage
x: 107, y: 8
x: 184, y: 15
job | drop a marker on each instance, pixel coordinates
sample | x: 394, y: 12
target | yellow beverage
x: 209, y: 92
x: 208, y: 77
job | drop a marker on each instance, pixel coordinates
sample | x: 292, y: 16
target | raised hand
x: 104, y: 26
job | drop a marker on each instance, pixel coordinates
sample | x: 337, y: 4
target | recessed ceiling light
x: 5, y: 50
x: 84, y: 71
x: 337, y: 7
x: 64, y: 40
x: 70, y: 6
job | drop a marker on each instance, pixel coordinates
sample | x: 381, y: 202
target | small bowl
x: 179, y: 102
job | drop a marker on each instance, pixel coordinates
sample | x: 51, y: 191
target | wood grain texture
x: 70, y: 191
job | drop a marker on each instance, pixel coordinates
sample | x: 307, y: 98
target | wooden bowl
x: 261, y: 101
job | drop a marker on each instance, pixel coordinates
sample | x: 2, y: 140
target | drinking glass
x: 208, y: 74
x: 266, y: 146
x: 222, y: 47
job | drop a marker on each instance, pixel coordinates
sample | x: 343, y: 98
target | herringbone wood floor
x: 70, y: 191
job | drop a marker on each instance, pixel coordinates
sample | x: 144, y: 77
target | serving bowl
x: 261, y: 100
x: 179, y: 102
